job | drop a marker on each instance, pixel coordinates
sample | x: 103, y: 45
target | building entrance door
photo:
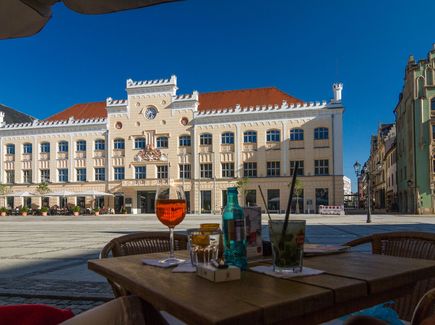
x: 119, y: 202
x: 145, y: 201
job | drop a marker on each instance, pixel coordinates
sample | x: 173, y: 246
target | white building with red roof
x: 203, y: 141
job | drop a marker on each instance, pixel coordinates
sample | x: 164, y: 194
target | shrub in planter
x: 97, y: 211
x: 3, y: 211
x: 76, y: 210
x: 24, y: 211
x: 44, y: 211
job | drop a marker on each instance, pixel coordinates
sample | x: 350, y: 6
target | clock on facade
x: 151, y: 113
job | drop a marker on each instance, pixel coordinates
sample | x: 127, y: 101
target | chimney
x: 337, y: 88
x: 2, y: 119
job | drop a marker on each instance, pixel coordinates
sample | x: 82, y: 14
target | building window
x: 224, y: 198
x: 162, y: 172
x: 81, y: 145
x: 227, y: 138
x: 205, y: 201
x: 432, y: 105
x: 10, y: 149
x: 205, y: 139
x: 162, y: 142
x: 228, y: 170
x: 322, y: 197
x: 206, y: 170
x: 273, y: 202
x: 81, y: 174
x: 321, y: 167
x: 27, y: 148
x: 185, y: 171
x: 10, y: 176
x: 45, y: 147
x: 321, y: 133
x: 296, y: 135
x: 300, y: 167
x: 119, y: 144
x: 250, y: 137
x: 251, y: 198
x: 433, y: 132
x: 100, y: 174
x: 100, y: 144
x: 140, y: 172
x: 27, y: 176
x: 273, y: 136
x: 250, y: 169
x: 63, y: 146
x: 273, y: 168
x: 45, y: 175
x: 184, y: 141
x: 139, y: 143
x: 63, y: 175
x: 119, y: 173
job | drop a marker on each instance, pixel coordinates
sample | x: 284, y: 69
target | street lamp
x: 358, y: 172
x: 357, y: 168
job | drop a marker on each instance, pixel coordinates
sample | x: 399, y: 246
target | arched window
x: 250, y: 137
x: 63, y: 146
x: 205, y: 139
x: 162, y: 142
x: 100, y: 144
x: 273, y: 136
x: 420, y: 87
x: 45, y: 147
x: 296, y: 134
x: 227, y: 138
x: 10, y: 149
x: 27, y: 148
x: 321, y: 133
x: 119, y: 143
x: 184, y: 141
x: 432, y: 106
x: 81, y: 145
x: 139, y: 143
x: 429, y: 76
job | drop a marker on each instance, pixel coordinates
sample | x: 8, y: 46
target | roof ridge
x: 16, y: 110
x: 243, y: 89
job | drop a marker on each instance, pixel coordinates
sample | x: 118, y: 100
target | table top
x: 351, y: 281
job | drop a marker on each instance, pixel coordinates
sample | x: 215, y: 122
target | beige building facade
x: 205, y: 142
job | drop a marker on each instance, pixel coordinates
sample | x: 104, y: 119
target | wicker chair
x: 404, y: 244
x: 140, y: 243
x: 425, y: 308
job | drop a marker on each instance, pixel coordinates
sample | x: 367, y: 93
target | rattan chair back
x: 140, y: 243
x: 425, y: 308
x: 404, y: 244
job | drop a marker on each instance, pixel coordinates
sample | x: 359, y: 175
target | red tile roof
x: 245, y: 98
x: 207, y: 101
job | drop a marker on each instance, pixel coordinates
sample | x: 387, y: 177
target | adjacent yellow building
x: 206, y: 142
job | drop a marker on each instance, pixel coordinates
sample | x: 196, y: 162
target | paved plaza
x: 44, y: 259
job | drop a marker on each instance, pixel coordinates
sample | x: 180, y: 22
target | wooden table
x: 352, y: 281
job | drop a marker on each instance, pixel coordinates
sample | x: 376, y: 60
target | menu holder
x: 213, y: 274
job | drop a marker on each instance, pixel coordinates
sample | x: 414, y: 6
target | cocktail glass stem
x: 171, y: 242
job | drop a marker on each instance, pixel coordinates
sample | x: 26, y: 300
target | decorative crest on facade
x: 150, y: 154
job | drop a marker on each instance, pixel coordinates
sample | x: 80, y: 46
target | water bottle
x: 234, y: 231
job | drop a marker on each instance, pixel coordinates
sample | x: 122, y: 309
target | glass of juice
x: 170, y: 210
x: 287, y: 248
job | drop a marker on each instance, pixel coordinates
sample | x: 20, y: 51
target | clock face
x: 151, y: 113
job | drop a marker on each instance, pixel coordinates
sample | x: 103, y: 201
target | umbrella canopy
x: 61, y: 193
x: 21, y: 18
x: 21, y: 194
x: 93, y: 193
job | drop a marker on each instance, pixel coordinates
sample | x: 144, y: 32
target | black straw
x: 264, y: 202
x: 287, y: 212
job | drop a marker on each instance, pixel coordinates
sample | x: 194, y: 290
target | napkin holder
x: 213, y: 274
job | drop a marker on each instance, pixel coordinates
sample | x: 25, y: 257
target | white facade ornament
x: 150, y: 154
x: 337, y: 89
x: 2, y: 119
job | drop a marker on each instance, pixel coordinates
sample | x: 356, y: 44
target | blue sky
x: 301, y: 47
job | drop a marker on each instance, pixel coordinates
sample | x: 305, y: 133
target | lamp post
x: 358, y: 173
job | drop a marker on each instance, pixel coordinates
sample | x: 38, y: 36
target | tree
x: 242, y: 184
x: 299, y: 188
x: 4, y: 189
x: 43, y: 188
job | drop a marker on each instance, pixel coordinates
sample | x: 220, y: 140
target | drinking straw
x: 287, y: 212
x: 264, y: 202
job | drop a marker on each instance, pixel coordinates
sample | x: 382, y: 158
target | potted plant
x: 76, y: 210
x: 3, y: 211
x: 44, y: 211
x: 97, y: 211
x: 24, y: 211
x: 124, y: 210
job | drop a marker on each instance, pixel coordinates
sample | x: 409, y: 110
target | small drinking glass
x: 171, y: 210
x: 203, y: 245
x: 287, y: 250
